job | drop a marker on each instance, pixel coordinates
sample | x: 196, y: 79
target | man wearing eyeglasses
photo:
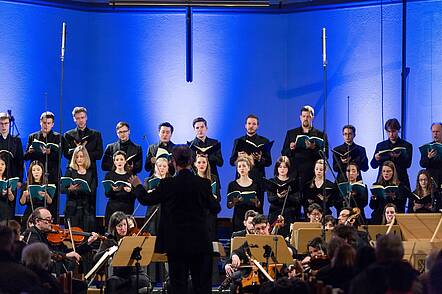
x: 133, y: 151
x: 41, y: 224
x: 64, y: 258
x: 11, y: 150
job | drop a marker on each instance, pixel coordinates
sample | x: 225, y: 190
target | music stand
x: 302, y: 236
x: 135, y: 251
x: 236, y: 242
x: 263, y: 247
x: 375, y: 230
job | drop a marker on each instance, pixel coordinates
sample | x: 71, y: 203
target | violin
x: 355, y: 213
x: 279, y: 223
x: 57, y: 235
x: 134, y: 231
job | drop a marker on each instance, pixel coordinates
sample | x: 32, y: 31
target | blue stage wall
x: 131, y: 66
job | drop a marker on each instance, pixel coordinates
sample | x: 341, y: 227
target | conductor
x: 185, y: 201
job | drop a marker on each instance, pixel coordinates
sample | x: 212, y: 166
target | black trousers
x: 200, y: 268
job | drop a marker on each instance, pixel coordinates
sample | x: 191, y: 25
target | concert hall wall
x: 130, y: 65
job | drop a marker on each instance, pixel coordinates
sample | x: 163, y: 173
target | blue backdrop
x: 130, y: 65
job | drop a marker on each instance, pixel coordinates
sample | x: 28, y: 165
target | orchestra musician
x: 123, y: 279
x: 314, y: 213
x: 41, y: 220
x: 248, y: 224
x: 389, y: 214
x: 239, y: 256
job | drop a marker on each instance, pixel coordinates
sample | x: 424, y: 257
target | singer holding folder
x: 185, y: 200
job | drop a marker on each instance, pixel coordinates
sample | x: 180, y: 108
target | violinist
x: 123, y: 279
x: 239, y: 256
x: 317, y: 255
x: 41, y: 220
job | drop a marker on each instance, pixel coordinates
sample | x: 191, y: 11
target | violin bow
x: 70, y: 234
x: 148, y: 220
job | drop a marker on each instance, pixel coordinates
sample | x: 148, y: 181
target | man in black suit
x: 11, y: 151
x: 349, y: 152
x: 261, y: 160
x: 49, y: 157
x: 201, y: 141
x: 303, y: 158
x: 165, y: 131
x: 82, y: 135
x: 401, y: 158
x: 185, y: 200
x: 432, y: 161
x: 133, y: 151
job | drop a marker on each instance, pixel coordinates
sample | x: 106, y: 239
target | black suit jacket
x: 53, y: 162
x: 258, y: 170
x: 402, y: 163
x: 152, y: 152
x: 215, y: 158
x: 303, y: 160
x: 130, y: 148
x: 15, y: 163
x: 94, y: 144
x: 185, y: 200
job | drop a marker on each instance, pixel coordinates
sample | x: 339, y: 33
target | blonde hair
x: 87, y: 160
x: 245, y: 158
x: 161, y: 159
